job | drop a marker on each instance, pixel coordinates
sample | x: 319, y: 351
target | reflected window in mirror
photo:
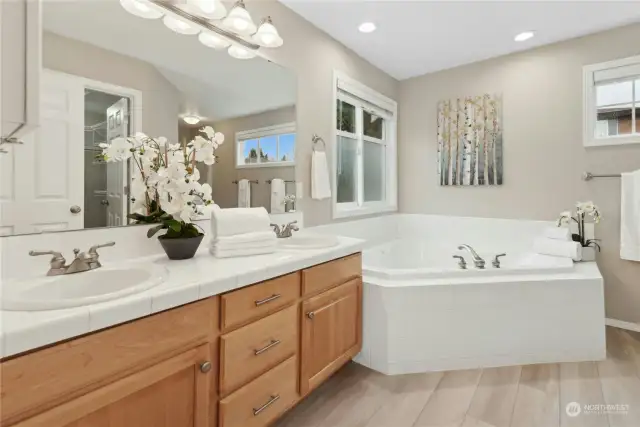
x: 268, y: 146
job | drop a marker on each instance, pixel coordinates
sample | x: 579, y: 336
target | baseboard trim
x: 629, y: 326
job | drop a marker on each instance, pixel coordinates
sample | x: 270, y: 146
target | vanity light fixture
x: 191, y: 119
x: 142, y: 9
x: 180, y: 26
x: 239, y: 20
x: 267, y: 34
x: 524, y: 36
x: 367, y: 27
x: 217, y: 29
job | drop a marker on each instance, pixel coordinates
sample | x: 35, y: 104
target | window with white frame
x: 365, y: 150
x: 612, y: 102
x: 269, y: 146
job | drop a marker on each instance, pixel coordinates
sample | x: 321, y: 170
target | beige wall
x: 313, y: 55
x: 543, y: 151
x: 225, y: 193
x: 160, y: 99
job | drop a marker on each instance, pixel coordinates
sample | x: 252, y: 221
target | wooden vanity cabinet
x: 240, y: 359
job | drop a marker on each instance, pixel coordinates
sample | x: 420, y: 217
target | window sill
x: 367, y: 209
x: 267, y: 165
x: 612, y: 140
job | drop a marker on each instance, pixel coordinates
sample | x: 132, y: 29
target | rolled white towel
x: 558, y: 233
x: 232, y: 253
x: 559, y: 248
x: 257, y: 238
x: 233, y: 221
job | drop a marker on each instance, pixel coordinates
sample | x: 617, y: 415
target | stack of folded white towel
x: 557, y: 241
x: 241, y: 232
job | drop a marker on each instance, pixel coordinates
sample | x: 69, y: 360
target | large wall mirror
x: 109, y: 74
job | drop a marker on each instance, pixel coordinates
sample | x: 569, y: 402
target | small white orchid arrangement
x: 166, y: 187
x: 583, y: 211
x: 289, y: 198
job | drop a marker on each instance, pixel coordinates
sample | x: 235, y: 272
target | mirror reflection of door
x: 106, y: 118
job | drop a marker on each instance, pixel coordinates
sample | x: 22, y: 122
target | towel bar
x: 269, y: 181
x: 588, y: 176
x: 255, y: 181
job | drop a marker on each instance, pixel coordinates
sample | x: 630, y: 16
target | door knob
x: 75, y: 209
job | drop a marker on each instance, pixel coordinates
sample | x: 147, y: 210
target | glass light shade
x: 213, y: 40
x: 209, y: 9
x: 180, y: 26
x: 267, y: 35
x: 239, y: 21
x: 240, y: 52
x: 191, y: 120
x: 142, y: 9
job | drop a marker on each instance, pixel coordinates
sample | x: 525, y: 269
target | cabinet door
x: 331, y: 332
x: 176, y: 392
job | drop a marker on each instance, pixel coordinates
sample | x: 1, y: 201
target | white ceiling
x: 215, y: 85
x: 418, y: 37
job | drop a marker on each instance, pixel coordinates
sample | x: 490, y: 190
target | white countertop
x: 188, y: 281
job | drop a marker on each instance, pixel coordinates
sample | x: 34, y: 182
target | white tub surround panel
x: 422, y: 313
x: 188, y: 281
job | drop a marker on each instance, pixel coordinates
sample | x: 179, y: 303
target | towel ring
x: 316, y: 139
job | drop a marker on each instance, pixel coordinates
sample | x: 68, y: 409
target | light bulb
x: 213, y: 40
x: 267, y: 34
x: 524, y: 36
x: 367, y: 27
x: 180, y: 26
x: 191, y: 120
x: 141, y: 8
x: 240, y: 52
x: 239, y: 20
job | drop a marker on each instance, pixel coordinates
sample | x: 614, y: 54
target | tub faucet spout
x: 477, y: 260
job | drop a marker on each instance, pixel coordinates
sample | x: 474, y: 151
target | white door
x: 117, y: 126
x: 42, y: 181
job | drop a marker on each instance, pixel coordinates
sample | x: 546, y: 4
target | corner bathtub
x: 412, y: 259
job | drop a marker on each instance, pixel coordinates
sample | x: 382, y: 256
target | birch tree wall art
x: 470, y: 141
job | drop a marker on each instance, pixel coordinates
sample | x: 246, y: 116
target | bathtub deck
x: 515, y: 396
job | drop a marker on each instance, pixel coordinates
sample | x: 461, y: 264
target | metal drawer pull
x: 266, y: 405
x: 311, y: 315
x: 273, y: 343
x: 266, y: 300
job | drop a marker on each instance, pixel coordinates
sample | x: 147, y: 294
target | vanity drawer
x: 37, y: 381
x: 256, y: 348
x: 253, y: 302
x: 262, y: 401
x: 330, y: 274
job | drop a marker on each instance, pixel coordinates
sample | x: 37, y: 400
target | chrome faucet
x: 82, y: 261
x: 461, y: 262
x: 285, y: 231
x: 496, y: 260
x: 477, y: 260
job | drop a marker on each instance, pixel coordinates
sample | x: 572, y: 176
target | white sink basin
x: 309, y: 241
x: 80, y: 289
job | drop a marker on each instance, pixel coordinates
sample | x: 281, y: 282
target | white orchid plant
x: 165, y: 188
x: 583, y: 210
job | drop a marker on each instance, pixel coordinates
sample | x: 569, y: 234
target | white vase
x: 588, y: 254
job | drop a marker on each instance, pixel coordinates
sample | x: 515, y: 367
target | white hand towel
x: 277, y: 196
x: 320, y: 184
x: 630, y: 217
x: 232, y: 253
x: 244, y: 193
x: 229, y: 222
x: 558, y: 248
x: 558, y: 233
x: 260, y: 238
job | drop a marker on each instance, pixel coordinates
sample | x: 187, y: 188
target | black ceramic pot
x: 183, y: 248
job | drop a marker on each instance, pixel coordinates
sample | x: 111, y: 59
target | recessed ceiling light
x: 191, y: 119
x: 367, y: 27
x: 524, y: 36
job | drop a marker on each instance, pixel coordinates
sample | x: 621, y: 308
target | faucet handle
x: 496, y: 260
x: 461, y: 262
x: 276, y: 228
x: 57, y: 260
x: 93, y: 250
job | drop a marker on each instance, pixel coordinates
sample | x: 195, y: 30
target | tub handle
x: 496, y: 260
x: 461, y: 262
